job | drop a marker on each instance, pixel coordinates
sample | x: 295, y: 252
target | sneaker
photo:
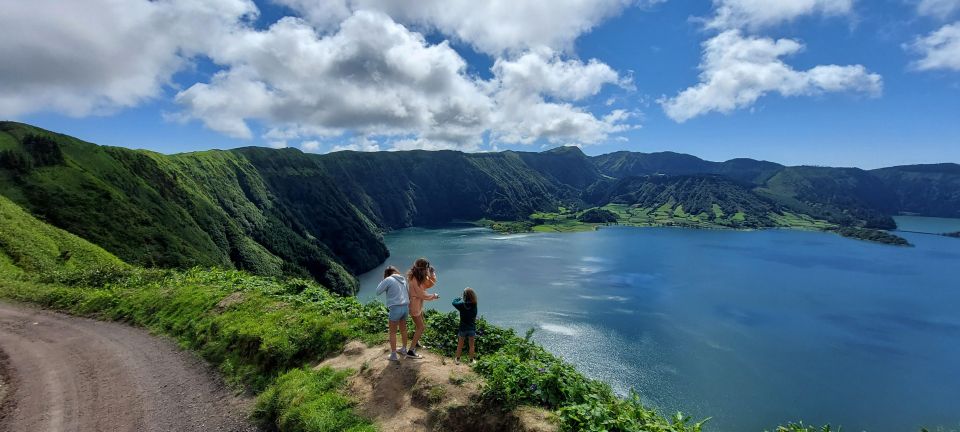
x: 413, y: 355
x: 456, y: 360
x: 393, y: 357
x: 473, y: 362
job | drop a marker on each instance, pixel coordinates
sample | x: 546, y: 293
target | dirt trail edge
x: 64, y: 373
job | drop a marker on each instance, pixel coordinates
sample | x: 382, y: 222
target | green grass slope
x: 28, y: 245
x: 209, y: 208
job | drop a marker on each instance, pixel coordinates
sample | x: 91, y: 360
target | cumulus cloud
x: 493, y: 27
x: 358, y: 144
x: 97, y: 56
x: 525, y: 116
x: 344, y: 68
x: 374, y: 76
x: 758, y: 14
x: 939, y: 49
x: 737, y: 70
x: 938, y: 8
x: 371, y: 76
x: 310, y: 146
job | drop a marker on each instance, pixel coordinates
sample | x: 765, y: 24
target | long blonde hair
x: 419, y: 271
x: 469, y: 295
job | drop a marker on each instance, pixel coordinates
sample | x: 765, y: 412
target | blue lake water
x: 751, y: 328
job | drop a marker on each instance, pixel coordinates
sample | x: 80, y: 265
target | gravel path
x: 63, y: 373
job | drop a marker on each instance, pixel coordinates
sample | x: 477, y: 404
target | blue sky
x: 852, y: 83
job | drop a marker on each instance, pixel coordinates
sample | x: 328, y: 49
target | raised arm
x: 458, y: 303
x: 384, y: 285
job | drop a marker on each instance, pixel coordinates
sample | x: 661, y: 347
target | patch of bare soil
x: 428, y: 394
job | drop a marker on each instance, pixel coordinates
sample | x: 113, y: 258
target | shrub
x: 304, y: 400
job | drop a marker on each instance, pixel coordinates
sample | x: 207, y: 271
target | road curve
x: 64, y: 373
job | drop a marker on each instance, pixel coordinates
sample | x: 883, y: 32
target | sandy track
x: 65, y: 373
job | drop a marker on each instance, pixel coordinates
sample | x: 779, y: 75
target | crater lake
x: 751, y: 328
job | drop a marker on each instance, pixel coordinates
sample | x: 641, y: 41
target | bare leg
x: 392, y: 335
x: 419, y: 326
x: 472, y: 355
x: 459, y: 347
x: 403, y: 332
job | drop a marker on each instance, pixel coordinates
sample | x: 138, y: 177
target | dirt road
x: 63, y: 373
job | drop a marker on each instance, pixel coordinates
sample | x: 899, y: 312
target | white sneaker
x: 393, y: 357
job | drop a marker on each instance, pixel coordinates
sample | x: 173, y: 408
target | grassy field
x: 666, y: 215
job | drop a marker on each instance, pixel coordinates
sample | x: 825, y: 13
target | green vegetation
x: 304, y: 400
x: 29, y: 245
x: 199, y: 209
x: 596, y: 215
x: 518, y: 372
x: 800, y: 427
x: 253, y: 329
x: 872, y: 235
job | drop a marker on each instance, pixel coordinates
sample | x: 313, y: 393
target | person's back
x: 395, y: 286
x: 467, y: 305
x: 468, y: 315
x: 398, y: 299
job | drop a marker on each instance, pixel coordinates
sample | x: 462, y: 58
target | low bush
x: 518, y: 371
x: 304, y: 400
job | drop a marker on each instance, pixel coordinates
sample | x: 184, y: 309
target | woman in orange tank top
x: 420, y: 278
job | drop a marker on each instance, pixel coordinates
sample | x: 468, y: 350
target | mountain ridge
x: 286, y: 212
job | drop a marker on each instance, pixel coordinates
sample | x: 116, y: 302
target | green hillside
x: 845, y: 196
x: 28, y: 245
x: 198, y: 209
x: 931, y: 190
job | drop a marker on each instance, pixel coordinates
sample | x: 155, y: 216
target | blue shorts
x: 466, y: 333
x: 398, y: 312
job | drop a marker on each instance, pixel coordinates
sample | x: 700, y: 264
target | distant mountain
x: 401, y: 189
x: 714, y: 197
x: 931, y: 190
x: 845, y: 196
x: 284, y: 212
x: 625, y: 164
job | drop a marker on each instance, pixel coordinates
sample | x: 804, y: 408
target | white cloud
x: 348, y: 68
x: 523, y: 114
x: 358, y: 144
x: 545, y: 72
x: 938, y: 8
x: 310, y: 146
x: 96, y: 56
x: 939, y: 49
x: 373, y: 76
x: 277, y: 144
x: 493, y: 27
x: 758, y: 14
x: 737, y: 70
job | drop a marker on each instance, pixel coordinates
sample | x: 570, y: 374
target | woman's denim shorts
x: 399, y: 312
